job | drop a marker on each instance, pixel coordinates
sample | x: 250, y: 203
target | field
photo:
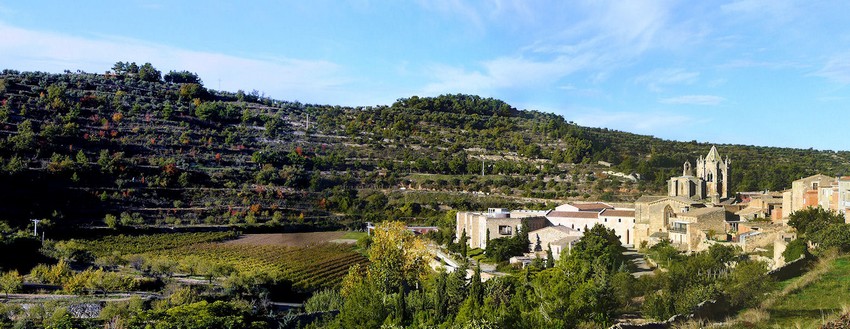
x: 309, y: 260
x: 137, y: 244
x: 294, y: 239
x: 821, y: 300
x: 308, y: 268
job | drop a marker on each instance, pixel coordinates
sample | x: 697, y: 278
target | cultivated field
x: 293, y: 239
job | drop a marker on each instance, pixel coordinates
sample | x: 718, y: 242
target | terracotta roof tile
x: 617, y: 213
x: 591, y: 206
x: 573, y: 214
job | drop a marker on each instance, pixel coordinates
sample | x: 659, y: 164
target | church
x: 710, y: 182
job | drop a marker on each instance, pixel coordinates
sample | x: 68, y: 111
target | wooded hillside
x: 150, y: 149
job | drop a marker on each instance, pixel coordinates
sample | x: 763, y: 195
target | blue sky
x: 755, y: 72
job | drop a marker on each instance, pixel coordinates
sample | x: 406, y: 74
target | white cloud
x: 650, y: 122
x: 607, y: 37
x: 694, y: 100
x: 657, y: 79
x: 836, y: 69
x: 283, y: 78
x: 503, y: 73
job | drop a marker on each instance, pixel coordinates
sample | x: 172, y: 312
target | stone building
x: 559, y: 238
x: 583, y: 216
x: 499, y: 222
x: 654, y: 216
x: 711, y: 180
x: 762, y: 206
x: 832, y: 193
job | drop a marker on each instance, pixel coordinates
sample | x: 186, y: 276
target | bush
x: 324, y: 300
x: 795, y: 249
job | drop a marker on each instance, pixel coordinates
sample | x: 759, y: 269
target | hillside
x: 150, y: 149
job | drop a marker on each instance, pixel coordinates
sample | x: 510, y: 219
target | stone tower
x: 714, y: 171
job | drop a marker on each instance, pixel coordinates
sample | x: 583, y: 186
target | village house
x: 832, y: 193
x: 583, y: 216
x: 559, y: 238
x: 569, y: 221
x: 495, y: 223
x: 762, y: 206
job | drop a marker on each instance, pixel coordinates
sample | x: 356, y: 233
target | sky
x: 752, y: 72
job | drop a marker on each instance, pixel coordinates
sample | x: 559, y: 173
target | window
x: 619, y: 220
x: 505, y: 230
x: 606, y: 220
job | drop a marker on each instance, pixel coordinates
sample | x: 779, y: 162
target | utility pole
x: 35, y: 228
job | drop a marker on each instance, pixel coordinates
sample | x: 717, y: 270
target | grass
x: 804, y: 302
x: 354, y: 235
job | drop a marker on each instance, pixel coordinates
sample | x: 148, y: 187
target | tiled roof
x: 573, y: 214
x: 565, y: 241
x: 696, y: 212
x: 617, y: 213
x: 649, y: 198
x: 591, y: 206
x: 561, y: 228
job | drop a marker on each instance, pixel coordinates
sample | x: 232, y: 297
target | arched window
x: 668, y: 213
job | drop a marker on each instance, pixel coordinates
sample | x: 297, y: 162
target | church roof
x: 652, y: 199
x: 699, y: 212
x: 713, y: 155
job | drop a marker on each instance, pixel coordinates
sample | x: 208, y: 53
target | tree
x: 182, y: 77
x: 397, y: 256
x: 811, y: 220
x: 463, y: 244
x: 111, y: 221
x: 600, y: 245
x: 747, y: 280
x: 25, y: 138
x: 795, y: 249
x: 833, y: 236
x: 11, y: 282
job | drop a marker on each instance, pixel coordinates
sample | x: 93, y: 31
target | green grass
x: 813, y: 304
x: 475, y: 252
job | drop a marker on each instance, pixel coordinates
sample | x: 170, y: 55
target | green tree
x: 795, y: 249
x: 25, y: 138
x: 11, y: 282
x: 111, y: 221
x: 600, y: 245
x: 811, y: 220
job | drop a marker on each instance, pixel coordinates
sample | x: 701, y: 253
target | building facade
x: 831, y: 193
x: 711, y: 180
x: 494, y: 224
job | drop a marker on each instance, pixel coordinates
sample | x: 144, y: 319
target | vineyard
x: 137, y: 244
x: 308, y: 268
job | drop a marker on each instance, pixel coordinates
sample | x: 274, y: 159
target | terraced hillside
x: 130, y: 148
